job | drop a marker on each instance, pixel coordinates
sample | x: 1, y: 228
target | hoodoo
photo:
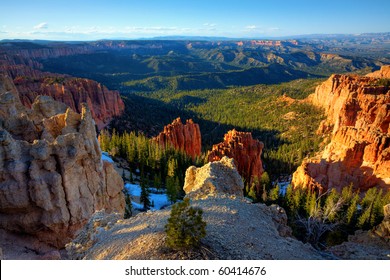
x: 245, y: 151
x: 184, y: 137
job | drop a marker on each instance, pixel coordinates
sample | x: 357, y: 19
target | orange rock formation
x: 184, y: 137
x: 30, y: 82
x: 104, y: 104
x: 245, y: 151
x: 358, y: 117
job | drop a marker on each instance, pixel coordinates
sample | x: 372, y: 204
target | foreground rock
x: 358, y: 117
x: 184, y: 137
x: 245, y: 151
x: 236, y: 229
x: 52, y: 178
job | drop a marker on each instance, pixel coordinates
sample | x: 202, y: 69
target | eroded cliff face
x: 52, y: 178
x: 31, y: 82
x: 358, y: 117
x: 245, y: 151
x: 184, y: 137
x: 104, y: 104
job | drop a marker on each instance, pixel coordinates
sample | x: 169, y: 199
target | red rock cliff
x: 23, y: 66
x: 103, y: 103
x: 358, y: 117
x: 245, y: 151
x: 184, y: 137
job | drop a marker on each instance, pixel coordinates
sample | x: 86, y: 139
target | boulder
x: 219, y: 177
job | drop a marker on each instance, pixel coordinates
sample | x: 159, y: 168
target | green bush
x: 185, y: 227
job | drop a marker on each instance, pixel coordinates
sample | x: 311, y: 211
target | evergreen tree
x: 185, y: 227
x: 311, y: 203
x: 172, y: 184
x: 123, y: 175
x: 352, y: 209
x: 128, y: 205
x: 252, y: 193
x: 273, y: 195
x: 145, y: 194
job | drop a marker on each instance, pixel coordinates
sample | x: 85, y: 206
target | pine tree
x: 128, y: 205
x: 352, y: 209
x: 252, y: 193
x: 145, y: 194
x: 123, y: 175
x: 311, y: 203
x: 273, y: 195
x: 185, y: 227
x: 172, y: 188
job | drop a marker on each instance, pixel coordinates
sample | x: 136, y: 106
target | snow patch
x: 106, y: 157
x: 158, y: 199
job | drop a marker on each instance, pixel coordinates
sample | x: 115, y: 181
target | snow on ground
x: 106, y: 157
x: 283, y: 187
x: 134, y: 190
x: 159, y: 200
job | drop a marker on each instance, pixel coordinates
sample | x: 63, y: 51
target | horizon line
x: 205, y: 37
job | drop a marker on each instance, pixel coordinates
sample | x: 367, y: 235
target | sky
x: 119, y: 19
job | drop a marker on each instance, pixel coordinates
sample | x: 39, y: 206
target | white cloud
x: 209, y: 24
x: 251, y: 27
x: 42, y: 25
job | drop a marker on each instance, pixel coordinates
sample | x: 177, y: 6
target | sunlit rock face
x: 358, y: 117
x: 52, y: 178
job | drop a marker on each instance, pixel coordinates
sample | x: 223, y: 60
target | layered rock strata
x: 245, y: 151
x: 52, y: 178
x: 358, y: 117
x: 184, y: 137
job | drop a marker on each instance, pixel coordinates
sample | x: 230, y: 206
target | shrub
x: 185, y: 227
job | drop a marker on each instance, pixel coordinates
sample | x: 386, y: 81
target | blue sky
x: 92, y: 20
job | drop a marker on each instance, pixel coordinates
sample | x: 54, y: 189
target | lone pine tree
x: 185, y: 227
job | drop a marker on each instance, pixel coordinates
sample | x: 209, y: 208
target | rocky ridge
x: 184, y: 137
x: 52, y: 178
x: 358, y: 117
x: 23, y: 67
x: 236, y: 228
x: 245, y: 151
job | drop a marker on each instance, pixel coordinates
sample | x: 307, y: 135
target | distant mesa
x: 52, y: 178
x: 358, y: 117
x: 184, y: 137
x: 245, y: 151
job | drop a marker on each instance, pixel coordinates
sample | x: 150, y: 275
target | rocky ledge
x: 236, y: 228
